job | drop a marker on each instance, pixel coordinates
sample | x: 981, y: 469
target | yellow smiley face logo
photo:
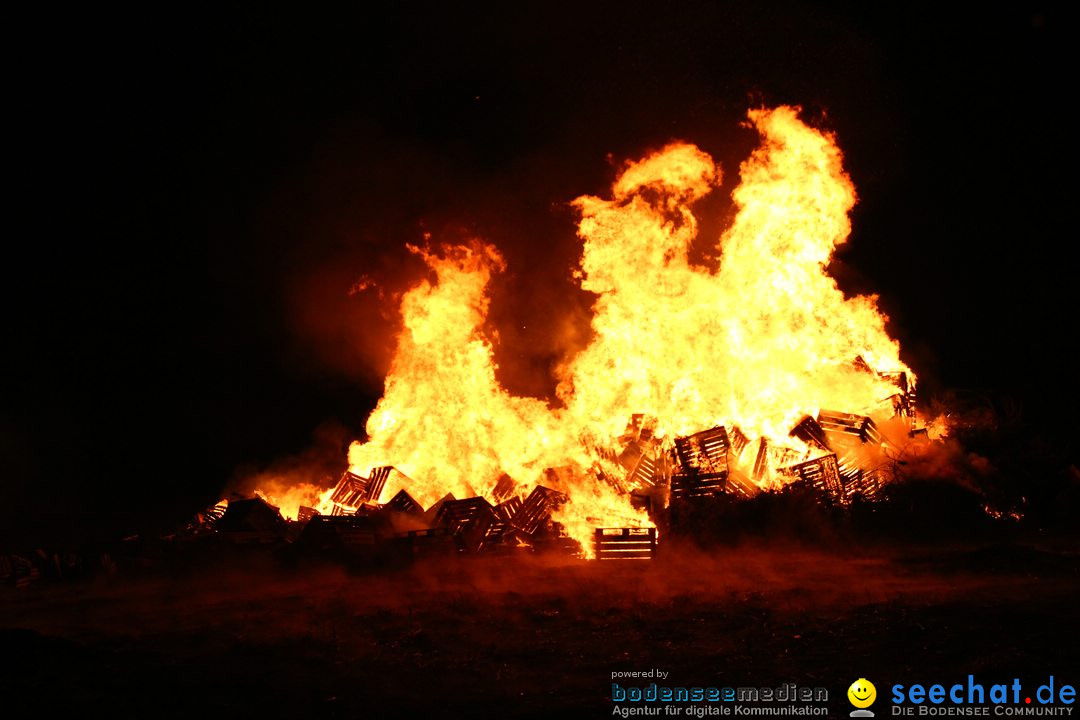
x: 862, y: 693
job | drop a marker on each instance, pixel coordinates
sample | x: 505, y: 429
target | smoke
x: 947, y: 460
x: 298, y: 479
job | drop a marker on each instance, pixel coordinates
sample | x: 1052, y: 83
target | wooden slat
x: 458, y: 516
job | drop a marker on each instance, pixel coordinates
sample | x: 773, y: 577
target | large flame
x: 444, y: 420
x: 759, y: 341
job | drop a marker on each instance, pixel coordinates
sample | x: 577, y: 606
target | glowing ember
x: 758, y: 343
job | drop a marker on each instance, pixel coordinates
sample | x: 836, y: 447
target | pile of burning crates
x: 706, y: 463
x: 695, y: 467
x: 655, y: 475
x: 402, y: 525
x: 837, y: 462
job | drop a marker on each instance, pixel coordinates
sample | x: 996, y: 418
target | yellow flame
x: 444, y: 420
x: 288, y: 498
x: 758, y: 341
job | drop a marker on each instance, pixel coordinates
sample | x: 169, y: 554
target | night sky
x: 204, y: 191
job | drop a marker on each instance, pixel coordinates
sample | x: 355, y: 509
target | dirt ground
x: 532, y: 637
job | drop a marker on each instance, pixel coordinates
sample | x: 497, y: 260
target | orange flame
x: 758, y: 341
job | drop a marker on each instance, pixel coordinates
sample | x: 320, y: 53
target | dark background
x: 201, y: 193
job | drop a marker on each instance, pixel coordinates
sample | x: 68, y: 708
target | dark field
x: 530, y: 637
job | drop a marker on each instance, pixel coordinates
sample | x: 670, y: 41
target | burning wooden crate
x: 645, y: 471
x: 537, y: 509
x: 810, y: 432
x: 704, y: 453
x: 738, y: 440
x: 432, y: 513
x: 702, y: 464
x: 352, y: 490
x: 845, y: 430
x: 469, y: 520
x: 848, y: 434
x: 639, y: 455
x: 607, y: 470
x: 508, y: 508
x: 821, y: 473
x: 638, y: 464
x: 380, y: 476
x: 625, y: 543
x: 204, y: 522
x: 370, y: 509
x: 859, y: 482
x: 500, y: 533
x: 404, y: 503
x: 770, y: 456
x: 904, y: 400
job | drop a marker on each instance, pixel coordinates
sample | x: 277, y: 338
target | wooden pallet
x: 377, y: 481
x: 469, y: 520
x: 458, y: 515
x: 821, y: 473
x: 770, y: 456
x: 690, y: 487
x: 700, y: 464
x: 536, y: 509
x: 625, y: 543
x: 508, y: 508
x: 738, y: 440
x: 405, y: 504
x: 810, y: 432
x: 704, y: 453
x: 866, y: 484
x: 844, y: 430
x: 352, y: 490
x: 645, y: 472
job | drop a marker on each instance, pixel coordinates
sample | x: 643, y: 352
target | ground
x: 534, y: 637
